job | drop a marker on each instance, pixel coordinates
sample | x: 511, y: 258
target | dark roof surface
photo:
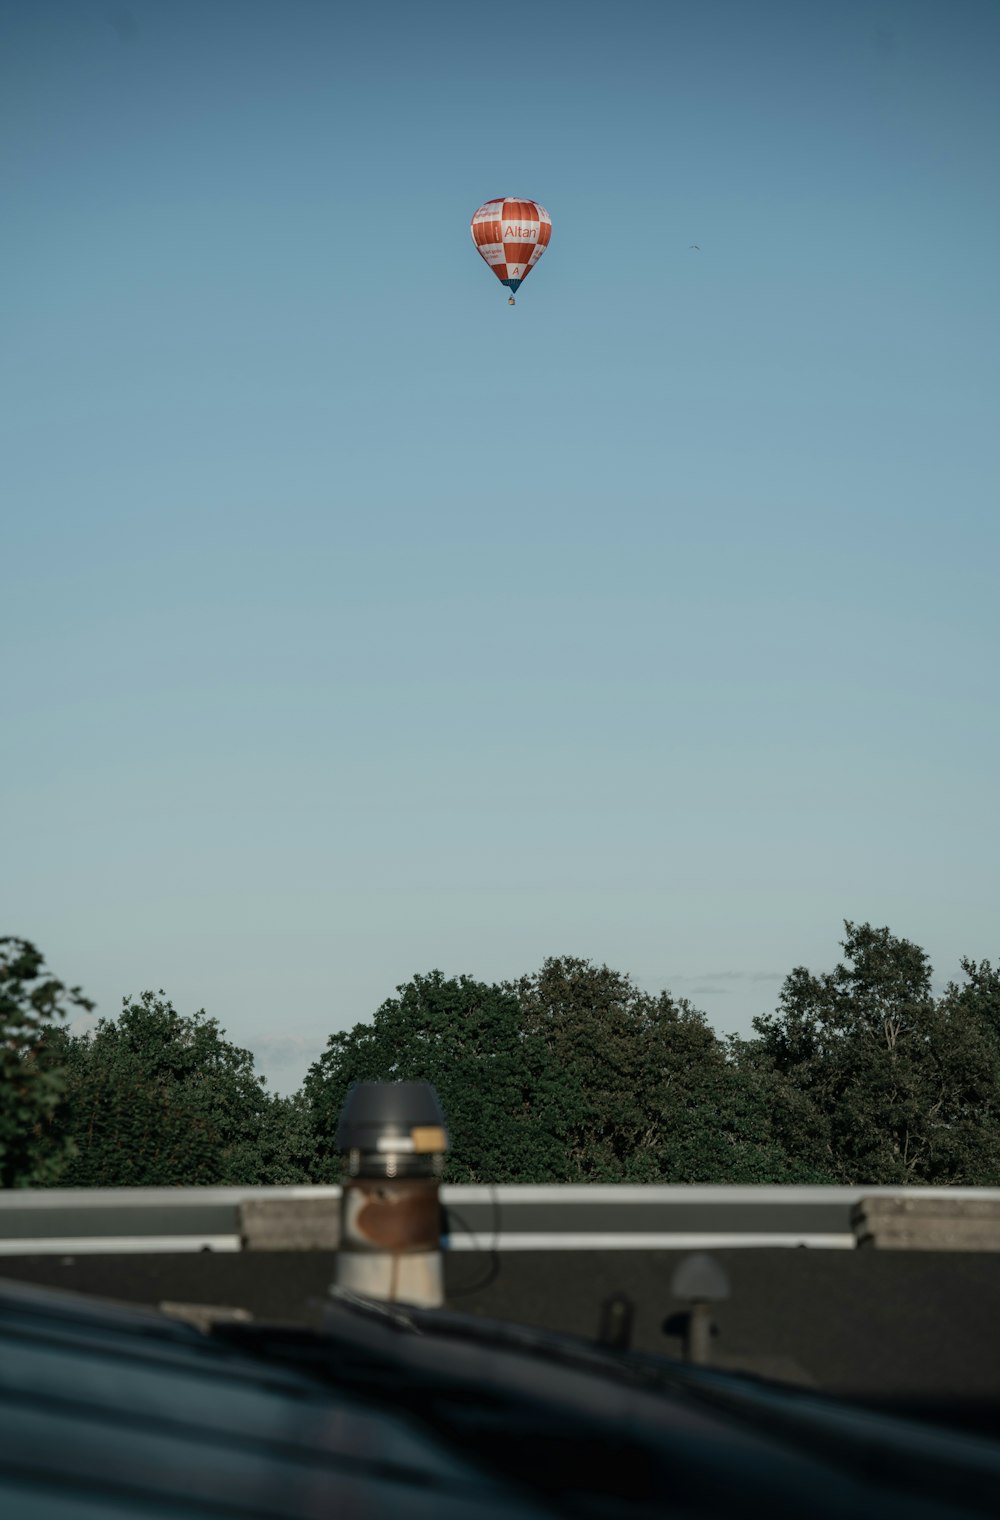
x: 903, y: 1328
x: 109, y: 1410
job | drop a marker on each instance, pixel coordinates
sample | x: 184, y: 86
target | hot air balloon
x: 511, y: 235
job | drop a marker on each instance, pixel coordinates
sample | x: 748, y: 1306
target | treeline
x: 571, y: 1074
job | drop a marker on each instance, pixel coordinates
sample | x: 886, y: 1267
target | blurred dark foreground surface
x: 844, y: 1382
x: 897, y: 1325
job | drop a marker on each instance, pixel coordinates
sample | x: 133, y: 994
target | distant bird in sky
x: 695, y: 247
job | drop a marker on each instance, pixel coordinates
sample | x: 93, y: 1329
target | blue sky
x: 355, y: 624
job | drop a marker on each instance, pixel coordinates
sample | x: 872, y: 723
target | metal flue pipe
x: 393, y: 1140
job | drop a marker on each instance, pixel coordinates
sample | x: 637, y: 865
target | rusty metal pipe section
x: 393, y: 1140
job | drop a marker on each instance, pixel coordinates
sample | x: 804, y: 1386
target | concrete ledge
x: 289, y: 1224
x: 509, y: 1218
x: 927, y: 1224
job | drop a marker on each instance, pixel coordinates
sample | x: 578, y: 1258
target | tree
x: 502, y: 1095
x: 969, y: 1017
x: 31, y: 1078
x: 570, y: 1075
x: 790, y: 1129
x: 875, y: 1080
x: 979, y: 997
x: 284, y: 1148
x: 651, y: 1093
x: 156, y: 1098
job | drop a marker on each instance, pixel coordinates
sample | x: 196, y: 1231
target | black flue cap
x: 377, y: 1113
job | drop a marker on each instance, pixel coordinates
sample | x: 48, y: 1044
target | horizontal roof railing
x: 74, y: 1221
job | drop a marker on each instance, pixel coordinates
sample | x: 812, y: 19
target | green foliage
x: 876, y: 1081
x: 31, y: 1080
x: 978, y: 1000
x: 649, y: 1092
x: 155, y: 1098
x: 284, y: 1147
x: 571, y: 1074
x: 503, y: 1096
x: 790, y: 1133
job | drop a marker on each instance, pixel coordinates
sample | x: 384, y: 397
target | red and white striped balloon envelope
x: 511, y: 235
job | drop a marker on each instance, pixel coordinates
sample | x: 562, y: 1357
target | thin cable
x: 493, y: 1270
